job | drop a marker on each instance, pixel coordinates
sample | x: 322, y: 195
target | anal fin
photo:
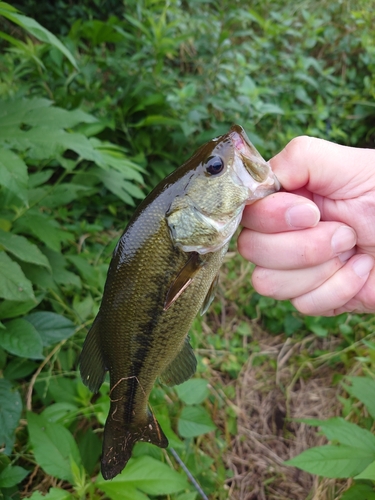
x: 182, y: 367
x: 210, y: 295
x: 92, y: 366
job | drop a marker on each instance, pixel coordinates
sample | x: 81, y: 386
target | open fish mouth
x: 249, y: 167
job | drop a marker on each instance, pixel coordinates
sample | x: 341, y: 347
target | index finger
x: 281, y: 212
x: 324, y: 168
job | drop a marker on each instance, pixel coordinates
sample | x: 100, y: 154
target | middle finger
x: 296, y: 249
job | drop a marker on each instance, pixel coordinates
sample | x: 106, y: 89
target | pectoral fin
x: 210, y: 295
x: 184, y: 278
x: 182, y: 367
x: 92, y: 366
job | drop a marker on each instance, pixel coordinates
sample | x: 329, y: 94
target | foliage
x: 91, y: 121
x: 352, y: 452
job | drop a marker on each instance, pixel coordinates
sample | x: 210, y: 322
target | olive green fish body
x: 160, y: 276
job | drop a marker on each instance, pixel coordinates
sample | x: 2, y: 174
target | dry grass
x: 286, y: 384
x: 266, y: 396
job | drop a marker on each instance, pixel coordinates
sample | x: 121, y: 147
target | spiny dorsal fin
x: 184, y: 278
x: 92, y: 366
x: 182, y: 367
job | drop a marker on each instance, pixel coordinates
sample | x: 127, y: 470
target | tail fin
x: 119, y: 442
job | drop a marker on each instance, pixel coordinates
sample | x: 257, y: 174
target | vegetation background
x: 98, y: 102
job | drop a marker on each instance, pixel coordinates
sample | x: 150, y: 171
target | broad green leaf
x: 61, y: 195
x: 13, y: 173
x: 59, y: 412
x: 59, y: 272
x: 368, y: 473
x: 194, y: 421
x: 43, y: 227
x: 13, y: 309
x: 88, y: 272
x: 51, y: 327
x: 54, y: 447
x: 338, y: 429
x: 19, y: 368
x: 21, y: 339
x: 13, y: 111
x: 42, y: 143
x: 57, y: 118
x: 10, y: 413
x: 90, y: 447
x: 13, y: 283
x: 23, y: 249
x: 116, y: 491
x: 37, y: 30
x: 333, y: 461
x: 193, y: 391
x: 359, y: 492
x: 12, y: 475
x: 117, y: 183
x: 148, y: 475
x: 363, y: 388
x: 53, y: 494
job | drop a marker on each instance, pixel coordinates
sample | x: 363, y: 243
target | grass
x: 279, y: 379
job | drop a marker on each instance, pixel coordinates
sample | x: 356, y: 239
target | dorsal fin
x: 92, y: 366
x: 184, y: 278
x: 182, y: 367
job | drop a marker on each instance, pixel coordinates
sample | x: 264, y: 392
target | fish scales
x: 161, y: 274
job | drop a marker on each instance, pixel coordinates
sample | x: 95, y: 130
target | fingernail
x: 345, y: 256
x: 343, y: 239
x: 302, y: 215
x: 363, y: 265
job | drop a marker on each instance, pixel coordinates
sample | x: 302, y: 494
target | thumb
x: 324, y: 168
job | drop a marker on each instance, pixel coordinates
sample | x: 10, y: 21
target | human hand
x: 315, y: 243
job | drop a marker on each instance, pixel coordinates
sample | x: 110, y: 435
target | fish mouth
x: 257, y: 175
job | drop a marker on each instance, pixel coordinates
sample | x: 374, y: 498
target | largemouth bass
x: 163, y: 271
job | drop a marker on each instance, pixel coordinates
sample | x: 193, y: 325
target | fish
x: 163, y: 271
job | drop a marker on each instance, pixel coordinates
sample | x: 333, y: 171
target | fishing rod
x: 188, y: 473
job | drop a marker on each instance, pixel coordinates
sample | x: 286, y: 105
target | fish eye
x: 214, y: 165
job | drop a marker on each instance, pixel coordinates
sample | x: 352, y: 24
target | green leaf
x: 13, y: 173
x: 10, y: 413
x: 13, y: 283
x: 37, y: 30
x: 13, y: 309
x: 21, y: 339
x: 53, y: 494
x: 194, y: 421
x: 11, y: 476
x: 333, y: 461
x: 43, y: 228
x: 338, y: 429
x: 363, y: 388
x: 59, y: 412
x: 116, y: 182
x: 148, y: 475
x: 368, y: 473
x: 193, y: 391
x: 359, y: 492
x: 57, y: 118
x: 51, y: 327
x: 13, y: 111
x: 90, y: 448
x: 54, y: 447
x: 21, y: 248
